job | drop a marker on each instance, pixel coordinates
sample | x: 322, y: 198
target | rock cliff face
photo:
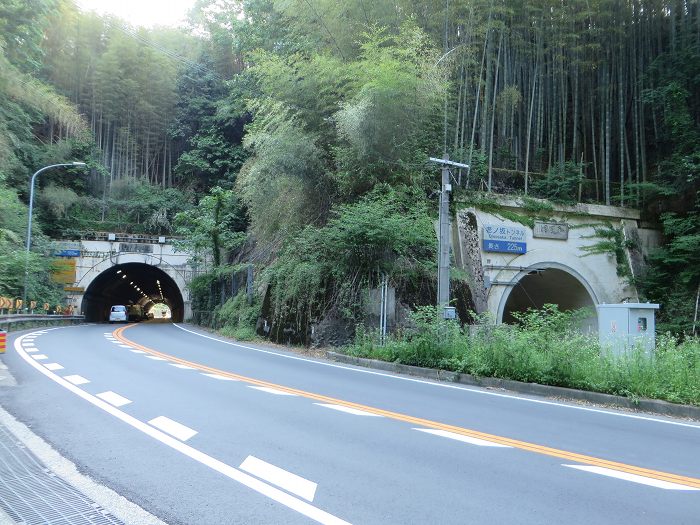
x: 468, y: 257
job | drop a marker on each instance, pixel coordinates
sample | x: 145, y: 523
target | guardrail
x: 7, y: 321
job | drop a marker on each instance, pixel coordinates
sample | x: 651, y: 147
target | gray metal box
x: 626, y: 325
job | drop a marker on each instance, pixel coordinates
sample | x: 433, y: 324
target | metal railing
x: 9, y: 322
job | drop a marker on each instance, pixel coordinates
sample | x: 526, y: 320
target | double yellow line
x: 523, y: 445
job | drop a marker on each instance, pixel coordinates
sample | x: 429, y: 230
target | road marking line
x: 125, y: 346
x: 178, y: 365
x: 347, y: 410
x: 54, y: 366
x: 239, y: 476
x: 39, y: 357
x: 277, y: 476
x: 219, y: 377
x: 270, y: 390
x: 76, y: 379
x: 631, y: 477
x: 523, y: 445
x: 138, y: 351
x: 31, y: 349
x: 113, y: 398
x: 480, y: 391
x: 460, y: 437
x: 29, y: 345
x: 175, y: 429
x: 155, y: 358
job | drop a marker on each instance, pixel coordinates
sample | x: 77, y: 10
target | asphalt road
x: 202, y: 431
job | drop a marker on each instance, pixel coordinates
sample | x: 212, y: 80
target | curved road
x: 199, y: 430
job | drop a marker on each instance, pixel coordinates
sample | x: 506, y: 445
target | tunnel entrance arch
x: 131, y: 283
x: 547, y: 283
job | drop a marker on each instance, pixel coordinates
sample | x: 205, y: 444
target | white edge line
x: 113, y: 398
x: 443, y: 385
x: 272, y: 391
x: 255, y: 484
x: 284, y: 479
x: 174, y: 428
x: 634, y: 478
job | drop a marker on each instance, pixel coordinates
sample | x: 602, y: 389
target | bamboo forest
x: 293, y: 137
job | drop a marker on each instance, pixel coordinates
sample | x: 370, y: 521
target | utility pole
x: 443, y: 295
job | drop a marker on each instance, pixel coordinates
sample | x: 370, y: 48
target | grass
x: 544, y: 348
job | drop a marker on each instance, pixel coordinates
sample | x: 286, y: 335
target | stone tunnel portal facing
x: 114, y: 286
x: 547, y: 286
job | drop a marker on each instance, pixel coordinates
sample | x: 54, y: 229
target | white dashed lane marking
x: 184, y: 367
x: 272, y: 391
x: 76, y: 379
x: 138, y: 351
x: 460, y: 437
x: 631, y: 477
x: 113, y: 398
x: 220, y: 378
x: 39, y: 357
x: 54, y: 366
x: 283, y: 479
x: 175, y: 429
x: 155, y: 358
x: 347, y: 410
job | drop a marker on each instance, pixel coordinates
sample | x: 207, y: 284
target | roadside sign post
x: 3, y: 340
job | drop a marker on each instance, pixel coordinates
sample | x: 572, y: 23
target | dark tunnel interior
x: 551, y: 286
x: 131, y: 283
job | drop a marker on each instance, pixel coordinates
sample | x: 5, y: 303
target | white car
x: 118, y: 314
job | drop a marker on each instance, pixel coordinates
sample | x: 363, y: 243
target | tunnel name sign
x: 551, y: 230
x: 504, y: 239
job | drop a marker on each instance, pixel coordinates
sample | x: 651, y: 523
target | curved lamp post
x: 29, y: 221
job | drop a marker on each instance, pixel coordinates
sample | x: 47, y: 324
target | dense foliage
x: 270, y: 131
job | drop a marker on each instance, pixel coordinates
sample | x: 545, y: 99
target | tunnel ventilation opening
x: 549, y: 286
x: 132, y: 284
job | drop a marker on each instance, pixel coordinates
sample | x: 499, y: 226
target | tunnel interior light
x: 124, y: 276
x: 119, y: 271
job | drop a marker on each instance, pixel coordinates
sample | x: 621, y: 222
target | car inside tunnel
x: 549, y: 286
x: 131, y: 284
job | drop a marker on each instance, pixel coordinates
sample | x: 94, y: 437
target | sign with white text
x: 505, y: 239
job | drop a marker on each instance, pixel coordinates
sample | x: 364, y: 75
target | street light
x: 29, y: 221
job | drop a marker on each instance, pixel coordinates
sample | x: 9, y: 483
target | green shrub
x: 547, y: 348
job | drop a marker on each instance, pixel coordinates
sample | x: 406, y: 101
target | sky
x: 146, y: 13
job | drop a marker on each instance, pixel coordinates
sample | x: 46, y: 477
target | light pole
x: 29, y: 221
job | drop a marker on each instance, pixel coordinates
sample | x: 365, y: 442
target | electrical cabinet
x: 624, y: 326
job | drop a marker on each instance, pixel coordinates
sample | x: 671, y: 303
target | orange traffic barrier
x: 3, y: 340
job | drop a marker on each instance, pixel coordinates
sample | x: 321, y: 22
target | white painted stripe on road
x: 39, y: 357
x: 460, y: 437
x: 155, y: 358
x: 277, y: 476
x: 239, y: 476
x: 54, y: 366
x: 76, y: 379
x: 473, y: 390
x: 29, y: 345
x: 631, y: 477
x: 220, y: 378
x: 114, y: 399
x: 138, y: 351
x: 31, y: 349
x: 175, y: 429
x: 348, y: 410
x: 272, y: 391
x: 125, y: 346
x: 184, y: 367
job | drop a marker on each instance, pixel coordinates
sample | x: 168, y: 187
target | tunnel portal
x: 131, y: 283
x: 547, y: 286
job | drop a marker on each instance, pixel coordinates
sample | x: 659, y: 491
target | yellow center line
x: 523, y: 445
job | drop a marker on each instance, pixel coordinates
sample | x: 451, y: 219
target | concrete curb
x: 653, y: 406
